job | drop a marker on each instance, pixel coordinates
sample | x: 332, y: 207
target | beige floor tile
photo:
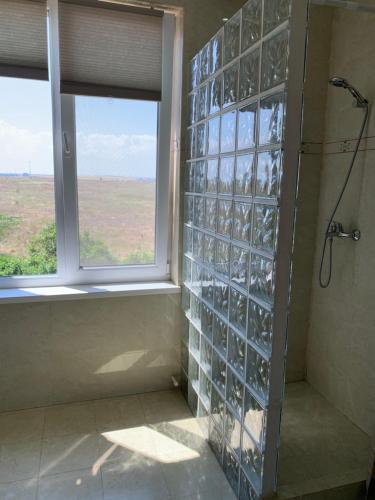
x: 19, y: 490
x: 137, y: 478
x: 221, y: 491
x: 119, y: 413
x: 193, y: 477
x: 21, y: 426
x: 76, y: 485
x: 69, y: 419
x: 164, y: 406
x: 69, y: 453
x: 19, y: 461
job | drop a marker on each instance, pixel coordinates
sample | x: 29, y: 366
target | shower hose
x: 327, y: 238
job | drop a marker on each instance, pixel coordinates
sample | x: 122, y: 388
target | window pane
x: 27, y: 207
x: 116, y: 168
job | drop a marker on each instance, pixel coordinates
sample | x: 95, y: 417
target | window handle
x: 66, y: 143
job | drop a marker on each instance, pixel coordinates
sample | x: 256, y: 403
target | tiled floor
x: 145, y: 447
x: 320, y: 448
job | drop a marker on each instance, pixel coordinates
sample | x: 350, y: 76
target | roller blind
x: 23, y: 39
x: 107, y: 50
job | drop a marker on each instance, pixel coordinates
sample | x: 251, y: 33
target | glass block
x: 226, y: 175
x: 230, y: 85
x: 206, y: 356
x: 211, y: 176
x: 199, y: 176
x: 202, y: 102
x: 201, y: 140
x: 216, y: 52
x: 238, y: 308
x: 186, y: 271
x: 209, y: 249
x: 218, y: 372
x: 211, y: 214
x: 261, y: 277
x: 198, y: 239
x: 193, y: 103
x: 247, y: 126
x: 199, y: 211
x: 275, y: 60
x: 184, y: 358
x: 235, y: 392
x: 254, y: 418
x: 192, y: 399
x: 259, y: 326
x: 193, y: 372
x: 251, y: 23
x: 275, y: 13
x: 217, y: 408
x: 243, y: 181
x: 189, y: 176
x: 214, y: 136
x: 195, y: 310
x: 236, y: 352
x: 189, y: 209
x: 242, y: 213
x: 205, y: 62
x: 205, y: 390
x: 185, y: 331
x: 247, y: 492
x: 194, y: 72
x: 215, y: 440
x: 222, y: 258
x: 249, y: 74
x: 221, y: 297
x: 215, y: 95
x: 191, y: 143
x: 224, y: 217
x: 232, y: 431
x: 232, y: 38
x: 252, y: 460
x: 207, y: 286
x: 257, y: 373
x: 231, y: 468
x: 188, y: 240
x: 220, y: 339
x: 271, y: 121
x: 265, y: 227
x: 207, y: 321
x: 196, y: 281
x: 239, y: 266
x: 194, y: 341
x: 268, y: 174
x: 185, y: 299
x: 228, y: 132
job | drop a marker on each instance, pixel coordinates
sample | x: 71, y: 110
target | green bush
x: 42, y: 255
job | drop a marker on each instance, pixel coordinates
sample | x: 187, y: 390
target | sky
x: 115, y: 137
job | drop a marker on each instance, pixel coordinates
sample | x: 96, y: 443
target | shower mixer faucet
x: 336, y: 230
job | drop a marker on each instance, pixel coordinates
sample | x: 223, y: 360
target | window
x: 85, y: 142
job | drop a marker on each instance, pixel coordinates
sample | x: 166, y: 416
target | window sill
x: 55, y: 293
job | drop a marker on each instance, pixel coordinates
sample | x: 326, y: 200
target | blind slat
x: 23, y: 39
x: 119, y: 52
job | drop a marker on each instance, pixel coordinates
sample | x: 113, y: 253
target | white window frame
x: 69, y: 270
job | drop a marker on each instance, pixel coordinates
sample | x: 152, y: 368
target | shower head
x: 337, y: 81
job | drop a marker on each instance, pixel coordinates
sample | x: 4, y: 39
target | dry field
x: 118, y: 212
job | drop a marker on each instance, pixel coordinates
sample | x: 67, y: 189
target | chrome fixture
x: 336, y: 81
x: 335, y: 229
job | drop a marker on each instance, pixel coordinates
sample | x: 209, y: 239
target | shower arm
x: 345, y: 5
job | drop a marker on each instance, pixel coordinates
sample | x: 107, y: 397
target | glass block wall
x: 232, y: 192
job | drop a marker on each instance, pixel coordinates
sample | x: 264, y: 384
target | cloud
x: 132, y: 155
